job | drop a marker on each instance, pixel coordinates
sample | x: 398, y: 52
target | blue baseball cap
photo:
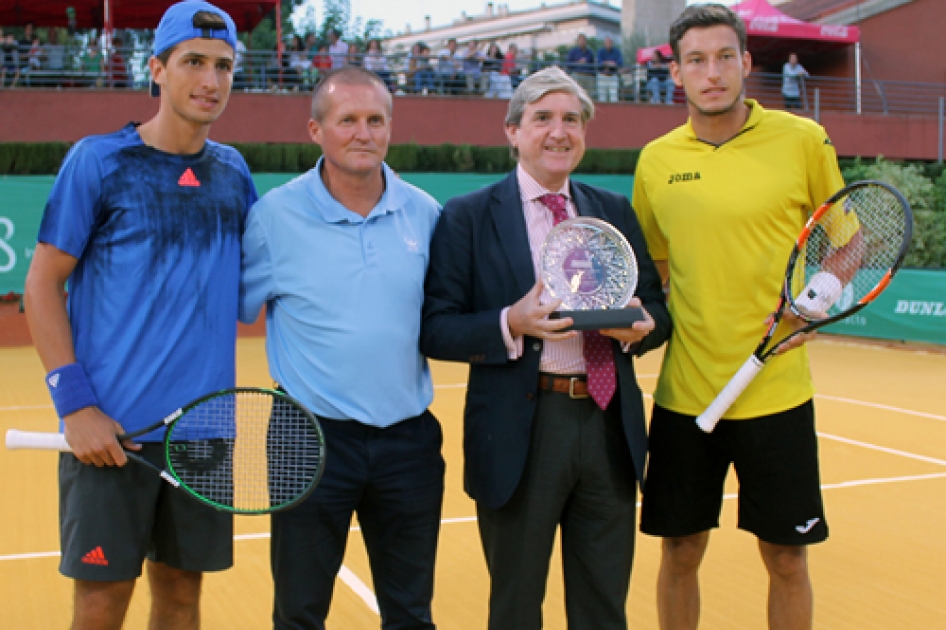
x: 177, y: 26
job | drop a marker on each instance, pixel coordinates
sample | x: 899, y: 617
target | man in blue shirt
x: 580, y: 63
x: 610, y: 61
x: 145, y: 224
x: 338, y: 257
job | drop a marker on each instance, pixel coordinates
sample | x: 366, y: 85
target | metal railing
x: 259, y: 70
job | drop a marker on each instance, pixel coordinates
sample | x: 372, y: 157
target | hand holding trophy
x: 590, y: 266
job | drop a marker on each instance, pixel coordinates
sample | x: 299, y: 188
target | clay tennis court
x: 882, y: 427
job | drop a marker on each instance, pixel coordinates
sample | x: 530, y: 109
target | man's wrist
x: 70, y: 389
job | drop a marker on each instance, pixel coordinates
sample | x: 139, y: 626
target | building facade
x: 543, y: 29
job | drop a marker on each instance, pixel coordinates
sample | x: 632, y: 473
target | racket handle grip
x: 734, y: 388
x: 37, y: 440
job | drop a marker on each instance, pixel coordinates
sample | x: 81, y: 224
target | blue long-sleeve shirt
x: 575, y: 55
x: 613, y: 54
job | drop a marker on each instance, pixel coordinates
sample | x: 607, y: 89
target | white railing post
x: 857, y: 77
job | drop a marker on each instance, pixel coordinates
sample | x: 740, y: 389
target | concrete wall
x: 647, y: 22
x: 57, y: 115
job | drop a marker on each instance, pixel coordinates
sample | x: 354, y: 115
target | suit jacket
x: 480, y: 263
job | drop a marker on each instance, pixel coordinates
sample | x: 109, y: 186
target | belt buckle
x: 571, y: 389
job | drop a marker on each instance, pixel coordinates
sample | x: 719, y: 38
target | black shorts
x: 776, y: 461
x: 111, y: 519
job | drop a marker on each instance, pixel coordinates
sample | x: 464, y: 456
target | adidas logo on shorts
x: 96, y: 556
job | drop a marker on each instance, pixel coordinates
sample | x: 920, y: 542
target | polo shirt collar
x: 756, y: 111
x: 332, y: 211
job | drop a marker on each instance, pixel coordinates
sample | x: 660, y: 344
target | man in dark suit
x: 554, y: 422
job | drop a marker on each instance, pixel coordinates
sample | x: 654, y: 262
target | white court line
x: 25, y: 407
x: 360, y: 588
x: 365, y: 593
x: 883, y: 449
x: 472, y: 519
x: 862, y: 403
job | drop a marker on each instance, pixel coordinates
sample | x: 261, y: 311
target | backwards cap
x: 177, y: 26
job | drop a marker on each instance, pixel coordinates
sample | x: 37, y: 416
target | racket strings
x: 858, y: 240
x: 246, y: 450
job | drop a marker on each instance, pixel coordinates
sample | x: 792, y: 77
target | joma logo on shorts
x: 684, y: 177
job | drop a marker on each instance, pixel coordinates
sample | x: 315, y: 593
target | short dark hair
x: 347, y: 75
x: 704, y: 16
x: 204, y: 20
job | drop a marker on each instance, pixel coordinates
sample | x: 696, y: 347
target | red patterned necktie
x: 599, y: 357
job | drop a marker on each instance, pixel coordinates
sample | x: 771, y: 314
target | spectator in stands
x: 658, y: 79
x: 115, y: 68
x: 449, y: 76
x: 580, y: 63
x: 511, y: 66
x: 419, y: 66
x: 36, y: 57
x: 793, y: 78
x: 337, y: 48
x: 299, y: 63
x: 472, y: 65
x: 354, y: 55
x: 25, y: 45
x: 311, y: 49
x: 11, y: 60
x: 55, y: 55
x: 499, y: 84
x: 376, y: 62
x: 240, y: 78
x: 610, y: 61
x: 93, y: 65
x: 322, y: 61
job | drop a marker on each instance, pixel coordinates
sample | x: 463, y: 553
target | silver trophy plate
x: 590, y: 266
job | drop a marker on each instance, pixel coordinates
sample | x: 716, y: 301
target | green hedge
x: 20, y: 158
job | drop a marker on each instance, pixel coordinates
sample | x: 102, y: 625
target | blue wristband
x: 70, y: 389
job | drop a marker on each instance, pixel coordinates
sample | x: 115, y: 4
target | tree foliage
x: 927, y: 198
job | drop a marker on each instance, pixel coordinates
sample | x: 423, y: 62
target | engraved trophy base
x: 601, y: 319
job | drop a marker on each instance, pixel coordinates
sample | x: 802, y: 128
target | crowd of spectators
x: 473, y: 69
x: 32, y: 62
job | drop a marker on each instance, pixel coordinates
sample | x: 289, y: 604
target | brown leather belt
x: 574, y: 386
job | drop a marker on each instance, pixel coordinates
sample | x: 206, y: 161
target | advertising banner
x: 913, y: 308
x: 22, y: 200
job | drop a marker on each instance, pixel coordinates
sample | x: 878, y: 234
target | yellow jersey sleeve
x: 824, y: 179
x: 656, y: 241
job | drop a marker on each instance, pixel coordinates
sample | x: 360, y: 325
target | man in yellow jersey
x: 721, y: 200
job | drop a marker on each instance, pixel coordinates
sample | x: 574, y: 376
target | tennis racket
x: 846, y: 255
x: 242, y: 450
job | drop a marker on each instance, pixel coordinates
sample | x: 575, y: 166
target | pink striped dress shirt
x: 558, y: 357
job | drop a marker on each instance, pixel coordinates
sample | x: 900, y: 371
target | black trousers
x: 393, y: 480
x: 579, y: 476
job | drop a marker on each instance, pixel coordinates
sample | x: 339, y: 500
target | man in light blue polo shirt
x: 338, y: 256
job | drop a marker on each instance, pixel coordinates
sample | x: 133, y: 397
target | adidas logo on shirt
x: 188, y: 179
x: 96, y: 556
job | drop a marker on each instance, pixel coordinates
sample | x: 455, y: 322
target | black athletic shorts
x: 776, y: 462
x: 111, y: 519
